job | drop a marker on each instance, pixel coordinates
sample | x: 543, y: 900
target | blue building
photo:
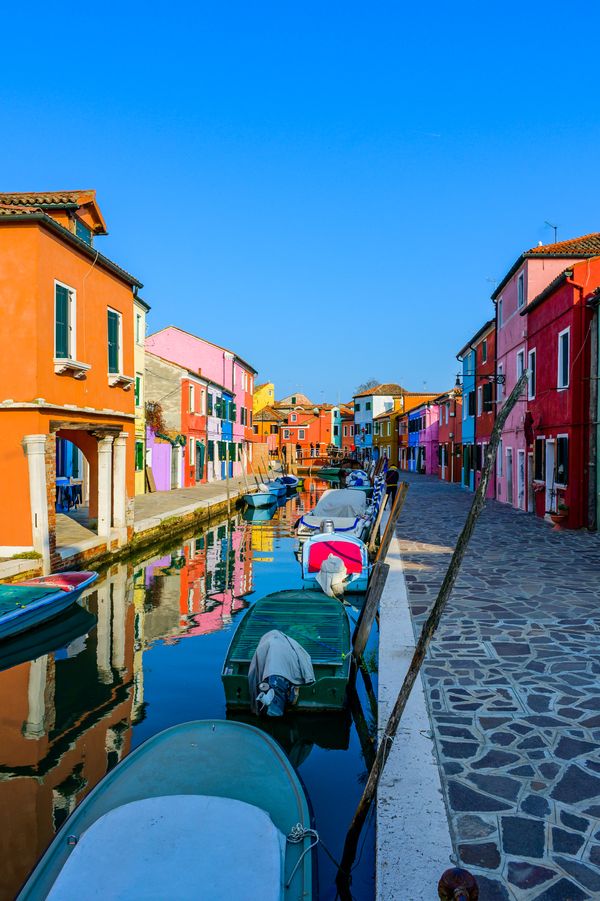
x: 467, y: 357
x: 414, y: 429
x: 227, y: 419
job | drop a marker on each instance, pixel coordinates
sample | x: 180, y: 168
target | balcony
x: 66, y: 366
x: 118, y: 380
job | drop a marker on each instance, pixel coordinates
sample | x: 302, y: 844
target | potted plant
x: 558, y: 517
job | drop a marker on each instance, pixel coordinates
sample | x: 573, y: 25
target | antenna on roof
x: 555, y: 227
x: 492, y: 281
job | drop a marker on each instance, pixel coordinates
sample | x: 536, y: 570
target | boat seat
x: 180, y: 847
x: 340, y: 523
x: 349, y: 554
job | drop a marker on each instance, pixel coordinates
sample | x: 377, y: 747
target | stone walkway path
x: 160, y: 502
x: 513, y: 687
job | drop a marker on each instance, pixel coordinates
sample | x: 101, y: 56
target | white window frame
x: 191, y: 399
x: 500, y: 310
x: 293, y: 417
x: 500, y: 387
x: 301, y: 434
x: 499, y: 459
x: 120, y: 315
x: 192, y: 448
x: 532, y: 373
x: 72, y: 349
x: 447, y: 411
x: 286, y: 434
x: 520, y: 291
x: 479, y: 400
x: 484, y: 351
x: 561, y: 387
x: 520, y: 363
x: 558, y: 484
x: 138, y: 329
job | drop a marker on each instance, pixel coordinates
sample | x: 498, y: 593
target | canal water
x: 147, y: 653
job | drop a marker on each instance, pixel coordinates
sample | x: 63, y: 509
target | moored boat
x: 328, y: 471
x: 258, y: 498
x: 276, y: 486
x: 318, y: 623
x: 344, y: 508
x: 351, y: 551
x: 290, y: 482
x: 59, y: 632
x: 28, y: 604
x: 227, y: 786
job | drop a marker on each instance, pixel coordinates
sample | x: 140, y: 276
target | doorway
x: 530, y: 504
x: 550, y: 467
x: 509, y: 475
x: 521, y: 479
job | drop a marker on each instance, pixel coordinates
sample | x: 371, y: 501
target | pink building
x: 215, y: 363
x: 531, y: 273
x: 423, y: 439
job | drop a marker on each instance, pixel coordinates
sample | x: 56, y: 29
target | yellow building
x: 264, y: 396
x: 385, y: 426
x: 140, y: 309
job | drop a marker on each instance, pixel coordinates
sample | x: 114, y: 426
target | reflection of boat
x: 298, y: 734
x: 318, y: 623
x: 56, y: 633
x: 29, y: 604
x: 226, y: 784
x: 258, y: 498
x: 351, y: 551
x: 260, y: 514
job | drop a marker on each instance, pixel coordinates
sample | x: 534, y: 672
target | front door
x: 175, y: 467
x: 550, y: 490
x: 521, y: 479
x: 509, y: 475
x: 530, y: 507
x: 199, y: 461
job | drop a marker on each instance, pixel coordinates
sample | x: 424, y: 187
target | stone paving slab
x: 513, y: 688
x: 170, y: 503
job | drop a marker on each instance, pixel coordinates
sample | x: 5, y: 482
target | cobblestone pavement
x: 513, y: 687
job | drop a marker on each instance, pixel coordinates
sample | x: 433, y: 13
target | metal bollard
x: 457, y: 884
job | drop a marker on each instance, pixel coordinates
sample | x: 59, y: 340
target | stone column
x: 103, y: 636
x: 105, y: 485
x: 35, y: 449
x: 120, y: 602
x: 36, y: 691
x: 120, y: 487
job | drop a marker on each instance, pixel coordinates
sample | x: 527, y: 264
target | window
x: 368, y: 428
x: 294, y: 400
x: 499, y: 458
x: 521, y: 290
x: 83, y: 232
x: 484, y: 351
x: 447, y: 411
x: 138, y: 390
x: 478, y: 457
x: 301, y: 434
x: 211, y: 451
x: 191, y: 390
x: 356, y: 408
x: 336, y: 430
x: 520, y: 363
x: 376, y: 428
x: 471, y: 403
x: 192, y: 450
x: 368, y: 405
x: 345, y: 431
x: 209, y: 403
x: 500, y: 391
x: 286, y: 433
x: 563, y: 358
x: 479, y: 402
x: 562, y: 460
x: 255, y: 429
x: 531, y: 375
x: 500, y: 312
x: 114, y: 342
x: 64, y: 322
x: 139, y: 456
x: 138, y: 328
x: 293, y: 417
x: 488, y: 400
x: 539, y: 460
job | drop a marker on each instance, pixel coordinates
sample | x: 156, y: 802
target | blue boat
x: 259, y: 498
x: 57, y: 633
x: 207, y: 809
x: 290, y: 482
x: 276, y: 486
x: 26, y: 605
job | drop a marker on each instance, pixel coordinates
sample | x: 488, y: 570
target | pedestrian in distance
x: 392, y: 477
x: 299, y: 452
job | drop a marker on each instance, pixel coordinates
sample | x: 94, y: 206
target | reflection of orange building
x: 66, y: 368
x: 64, y: 722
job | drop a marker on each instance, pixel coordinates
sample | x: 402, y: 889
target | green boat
x: 319, y: 623
x: 330, y: 472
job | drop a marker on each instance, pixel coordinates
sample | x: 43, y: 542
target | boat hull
x: 351, y: 551
x: 259, y: 499
x: 30, y: 615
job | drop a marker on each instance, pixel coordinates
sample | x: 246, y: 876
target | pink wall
x: 512, y: 337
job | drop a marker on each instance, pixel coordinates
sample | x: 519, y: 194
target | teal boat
x: 208, y: 809
x: 319, y: 623
x: 53, y: 635
x: 27, y: 605
x: 328, y: 472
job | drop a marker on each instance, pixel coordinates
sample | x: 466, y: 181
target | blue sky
x: 326, y: 188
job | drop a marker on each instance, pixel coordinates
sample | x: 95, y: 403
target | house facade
x: 449, y: 406
x: 367, y: 405
x: 264, y: 396
x: 221, y: 367
x: 531, y: 273
x: 467, y: 357
x: 68, y: 318
x: 347, y: 428
x: 485, y: 399
x: 140, y: 311
x: 559, y: 424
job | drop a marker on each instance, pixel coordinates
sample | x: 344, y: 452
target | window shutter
x: 233, y: 411
x: 113, y: 342
x: 209, y: 404
x: 211, y: 451
x: 62, y: 322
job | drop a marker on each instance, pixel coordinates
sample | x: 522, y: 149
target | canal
x: 147, y: 653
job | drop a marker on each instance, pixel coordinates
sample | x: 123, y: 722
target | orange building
x: 66, y: 369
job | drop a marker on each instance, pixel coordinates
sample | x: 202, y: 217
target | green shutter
x: 211, y: 451
x: 209, y: 404
x: 218, y: 407
x: 61, y: 325
x: 113, y: 341
x: 233, y: 411
x: 200, y: 453
x: 139, y: 456
x: 137, y: 390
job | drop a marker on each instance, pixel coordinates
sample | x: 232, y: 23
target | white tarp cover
x: 177, y: 846
x: 277, y: 654
x: 332, y: 575
x: 340, y: 502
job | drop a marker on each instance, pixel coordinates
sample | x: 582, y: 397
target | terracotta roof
x: 268, y: 414
x: 56, y: 200
x: 389, y: 388
x: 582, y: 247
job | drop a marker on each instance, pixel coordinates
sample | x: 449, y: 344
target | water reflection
x: 146, y: 652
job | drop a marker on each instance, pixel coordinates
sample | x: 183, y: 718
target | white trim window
x: 65, y: 322
x: 499, y: 459
x: 564, y: 355
x: 484, y: 351
x: 301, y: 434
x: 115, y: 342
x: 191, y: 401
x: 521, y: 291
x: 500, y: 390
x: 293, y: 417
x: 286, y: 434
x: 531, y: 374
x: 520, y: 363
x: 500, y: 313
x: 479, y: 400
x: 192, y: 449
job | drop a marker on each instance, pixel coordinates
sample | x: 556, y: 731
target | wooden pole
x: 427, y: 633
x: 364, y: 623
x: 392, y: 520
x: 244, y: 467
x: 376, y: 524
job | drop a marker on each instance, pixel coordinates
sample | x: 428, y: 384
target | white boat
x: 344, y: 508
x: 317, y: 568
x: 208, y: 809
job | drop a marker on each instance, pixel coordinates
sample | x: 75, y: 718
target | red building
x: 557, y: 422
x: 484, y: 346
x: 193, y: 426
x: 347, y: 423
x: 449, y: 407
x: 309, y: 427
